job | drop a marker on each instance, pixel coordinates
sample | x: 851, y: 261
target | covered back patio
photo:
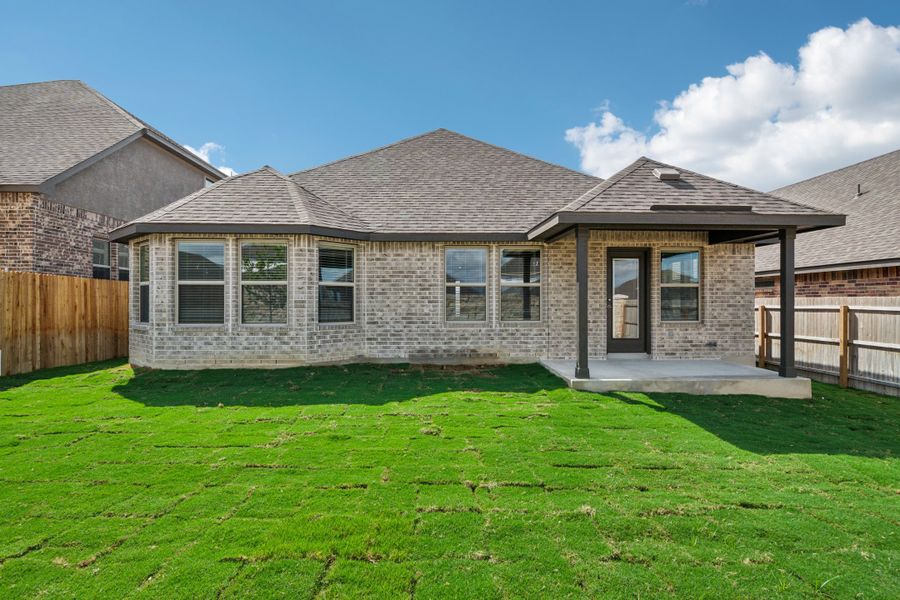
x: 651, y: 196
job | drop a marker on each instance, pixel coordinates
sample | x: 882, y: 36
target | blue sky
x: 294, y: 85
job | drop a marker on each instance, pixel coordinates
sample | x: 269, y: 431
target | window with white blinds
x: 336, y: 285
x: 465, y: 284
x: 520, y: 285
x: 263, y: 283
x: 144, y: 283
x: 201, y: 282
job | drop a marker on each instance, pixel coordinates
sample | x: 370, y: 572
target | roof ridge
x: 598, y: 189
x: 741, y: 187
x: 838, y: 170
x: 294, y: 186
x: 372, y: 151
x: 40, y: 82
x: 455, y: 133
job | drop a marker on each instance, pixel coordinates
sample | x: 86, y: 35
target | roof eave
x: 682, y: 220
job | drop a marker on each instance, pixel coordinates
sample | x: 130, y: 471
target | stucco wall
x: 400, y: 304
x: 130, y: 182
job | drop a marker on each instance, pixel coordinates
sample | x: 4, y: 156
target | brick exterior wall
x: 39, y: 235
x: 400, y: 307
x: 883, y: 281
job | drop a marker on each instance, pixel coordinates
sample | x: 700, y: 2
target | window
x: 680, y: 285
x: 520, y: 285
x: 144, y: 283
x: 101, y: 259
x: 123, y: 260
x: 336, y: 284
x: 263, y: 283
x: 201, y: 282
x: 466, y: 284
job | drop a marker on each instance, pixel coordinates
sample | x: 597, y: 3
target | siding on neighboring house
x: 400, y: 305
x: 881, y: 281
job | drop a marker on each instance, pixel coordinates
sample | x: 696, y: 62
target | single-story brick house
x: 860, y: 259
x: 74, y: 165
x: 444, y: 248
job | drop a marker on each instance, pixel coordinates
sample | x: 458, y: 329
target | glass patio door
x: 626, y: 301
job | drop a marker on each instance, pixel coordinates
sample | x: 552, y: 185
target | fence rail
x: 54, y: 320
x: 855, y: 344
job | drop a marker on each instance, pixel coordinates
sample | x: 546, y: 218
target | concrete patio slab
x: 701, y: 377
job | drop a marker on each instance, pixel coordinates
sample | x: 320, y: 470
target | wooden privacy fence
x: 54, y: 320
x: 853, y: 345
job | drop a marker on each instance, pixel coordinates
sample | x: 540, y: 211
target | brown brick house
x: 73, y: 166
x: 860, y: 259
x: 444, y: 248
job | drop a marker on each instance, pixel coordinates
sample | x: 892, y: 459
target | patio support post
x: 582, y: 371
x: 786, y: 242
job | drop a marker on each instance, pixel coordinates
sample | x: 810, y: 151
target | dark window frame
x: 698, y: 286
x: 143, y: 284
x: 533, y: 285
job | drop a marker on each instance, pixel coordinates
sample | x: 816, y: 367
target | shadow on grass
x: 368, y: 384
x: 834, y: 421
x: 9, y: 382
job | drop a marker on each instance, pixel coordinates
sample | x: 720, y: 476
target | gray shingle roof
x: 872, y: 232
x: 636, y: 189
x: 49, y: 127
x: 442, y: 181
x: 261, y: 197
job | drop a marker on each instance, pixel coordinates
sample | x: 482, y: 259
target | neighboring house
x: 860, y: 259
x: 74, y: 165
x: 444, y: 248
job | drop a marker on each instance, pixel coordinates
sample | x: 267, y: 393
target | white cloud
x: 208, y: 149
x: 766, y: 124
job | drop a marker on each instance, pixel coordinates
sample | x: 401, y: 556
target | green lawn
x: 385, y: 481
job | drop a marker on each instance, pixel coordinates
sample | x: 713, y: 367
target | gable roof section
x: 51, y: 129
x: 445, y: 182
x: 636, y: 197
x: 872, y: 233
x: 265, y: 200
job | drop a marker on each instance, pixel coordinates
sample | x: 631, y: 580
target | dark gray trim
x: 683, y: 220
x: 642, y: 343
x: 702, y: 207
x: 786, y: 238
x: 184, y: 154
x: 582, y: 235
x: 847, y: 266
x: 131, y: 230
x: 49, y: 184
x: 11, y: 187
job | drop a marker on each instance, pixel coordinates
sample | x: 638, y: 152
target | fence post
x: 844, y: 344
x: 763, y: 334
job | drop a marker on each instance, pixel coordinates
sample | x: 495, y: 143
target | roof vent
x: 666, y: 174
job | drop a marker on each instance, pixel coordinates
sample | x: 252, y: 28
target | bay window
x: 465, y: 284
x: 263, y: 283
x: 680, y: 285
x: 337, y: 282
x: 201, y: 282
x: 520, y: 285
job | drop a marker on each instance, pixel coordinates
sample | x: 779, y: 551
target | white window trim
x: 698, y: 285
x: 141, y: 284
x: 180, y: 282
x: 242, y: 283
x: 446, y: 285
x: 108, y: 265
x: 501, y: 284
x: 350, y: 284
